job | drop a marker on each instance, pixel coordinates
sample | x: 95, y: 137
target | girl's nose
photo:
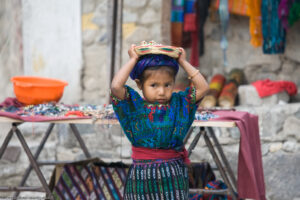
x: 161, y: 91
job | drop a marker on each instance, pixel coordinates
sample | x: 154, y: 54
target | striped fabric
x: 91, y: 181
x: 157, y: 180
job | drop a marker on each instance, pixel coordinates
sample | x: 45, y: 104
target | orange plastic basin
x: 36, y: 90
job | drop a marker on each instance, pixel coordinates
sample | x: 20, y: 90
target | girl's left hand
x: 182, y: 56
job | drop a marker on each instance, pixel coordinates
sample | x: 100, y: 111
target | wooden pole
x: 114, y: 30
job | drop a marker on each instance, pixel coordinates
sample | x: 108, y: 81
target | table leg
x: 81, y: 142
x: 5, y: 142
x: 223, y: 157
x: 219, y: 165
x: 33, y: 162
x: 36, y: 155
x: 195, y: 141
x: 188, y: 135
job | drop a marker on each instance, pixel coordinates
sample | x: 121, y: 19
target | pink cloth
x: 11, y: 101
x: 38, y: 118
x: 250, y: 183
x: 142, y: 153
x: 267, y: 87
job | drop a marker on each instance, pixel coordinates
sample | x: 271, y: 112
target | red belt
x: 142, y: 153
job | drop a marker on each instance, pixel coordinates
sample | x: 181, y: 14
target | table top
x: 115, y: 121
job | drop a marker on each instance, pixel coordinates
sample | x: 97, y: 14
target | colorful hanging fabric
x: 294, y: 14
x: 289, y: 12
x: 224, y: 18
x: 283, y: 12
x: 235, y: 6
x: 177, y: 16
x: 254, y: 7
x: 191, y: 26
x: 202, y: 8
x: 187, y: 21
x: 273, y: 31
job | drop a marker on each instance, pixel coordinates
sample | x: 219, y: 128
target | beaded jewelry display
x: 153, y: 48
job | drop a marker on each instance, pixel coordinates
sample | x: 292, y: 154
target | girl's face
x: 158, y: 86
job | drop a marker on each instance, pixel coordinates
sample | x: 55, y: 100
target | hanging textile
x: 235, y: 7
x: 289, y: 12
x: 224, y: 18
x: 273, y: 31
x: 177, y: 14
x: 255, y: 22
x: 191, y: 26
x: 294, y: 14
x: 283, y: 12
x: 187, y: 21
x: 202, y: 8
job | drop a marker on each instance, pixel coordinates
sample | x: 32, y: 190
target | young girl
x: 157, y: 123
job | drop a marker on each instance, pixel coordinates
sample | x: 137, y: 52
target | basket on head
x: 154, y: 48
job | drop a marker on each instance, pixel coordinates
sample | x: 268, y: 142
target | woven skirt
x: 157, y: 180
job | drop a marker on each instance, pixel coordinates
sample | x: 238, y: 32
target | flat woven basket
x: 171, y: 51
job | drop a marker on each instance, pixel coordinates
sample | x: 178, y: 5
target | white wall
x: 52, y: 42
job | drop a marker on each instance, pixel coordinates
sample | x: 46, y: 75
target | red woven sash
x: 142, y: 153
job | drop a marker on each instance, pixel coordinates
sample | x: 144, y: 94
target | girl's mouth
x: 161, y: 100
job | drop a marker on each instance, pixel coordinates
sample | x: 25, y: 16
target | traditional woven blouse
x: 156, y: 125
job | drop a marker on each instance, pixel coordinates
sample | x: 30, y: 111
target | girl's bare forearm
x: 119, y: 80
x: 197, y: 79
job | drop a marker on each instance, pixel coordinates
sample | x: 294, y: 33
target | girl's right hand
x: 131, y: 52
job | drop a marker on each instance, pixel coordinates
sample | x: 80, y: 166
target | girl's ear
x: 138, y: 83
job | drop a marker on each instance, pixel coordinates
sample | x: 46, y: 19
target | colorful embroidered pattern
x: 90, y: 182
x: 167, y: 180
x: 156, y: 125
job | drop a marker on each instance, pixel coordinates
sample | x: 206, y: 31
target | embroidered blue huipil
x: 156, y: 125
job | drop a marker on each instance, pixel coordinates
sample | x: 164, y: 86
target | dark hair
x: 170, y: 70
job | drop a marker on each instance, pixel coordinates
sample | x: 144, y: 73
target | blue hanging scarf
x: 224, y: 18
x: 272, y: 29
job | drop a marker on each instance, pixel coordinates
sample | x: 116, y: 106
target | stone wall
x: 278, y: 121
x: 138, y: 24
x: 11, y: 49
x: 95, y: 73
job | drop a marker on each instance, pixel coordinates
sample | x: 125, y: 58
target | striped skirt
x: 157, y: 180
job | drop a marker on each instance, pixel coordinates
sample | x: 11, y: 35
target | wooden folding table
x: 205, y: 130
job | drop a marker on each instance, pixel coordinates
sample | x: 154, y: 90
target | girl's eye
x: 168, y: 85
x: 153, y: 85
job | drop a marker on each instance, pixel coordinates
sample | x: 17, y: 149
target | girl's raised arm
x: 119, y: 80
x: 196, y: 77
